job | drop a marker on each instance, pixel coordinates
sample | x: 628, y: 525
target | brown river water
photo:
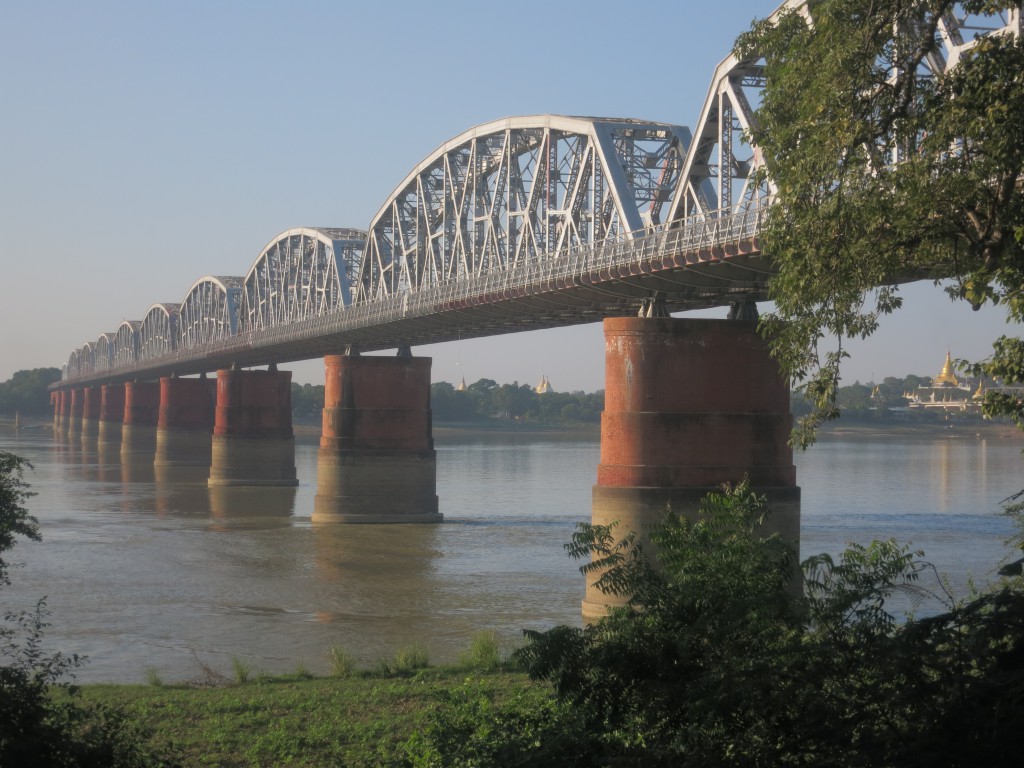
x: 142, y: 575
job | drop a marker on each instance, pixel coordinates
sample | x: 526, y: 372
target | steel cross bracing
x: 521, y: 223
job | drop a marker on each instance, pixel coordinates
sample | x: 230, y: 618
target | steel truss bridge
x: 518, y: 224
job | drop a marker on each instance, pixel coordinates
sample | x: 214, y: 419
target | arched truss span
x: 209, y: 311
x: 719, y: 173
x: 519, y: 189
x: 71, y: 369
x: 85, y: 359
x: 301, y: 273
x: 103, y: 352
x: 126, y: 343
x: 159, y: 333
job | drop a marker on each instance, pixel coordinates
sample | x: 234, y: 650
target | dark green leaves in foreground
x: 716, y: 661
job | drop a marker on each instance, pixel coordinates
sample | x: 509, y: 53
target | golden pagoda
x: 544, y: 386
x: 946, y: 392
x: 462, y: 385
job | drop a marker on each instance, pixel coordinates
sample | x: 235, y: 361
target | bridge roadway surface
x: 519, y: 224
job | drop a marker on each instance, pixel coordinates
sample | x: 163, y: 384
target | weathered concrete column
x: 75, y: 413
x: 111, y: 418
x: 253, y: 442
x: 185, y: 426
x: 377, y: 462
x: 141, y: 412
x: 91, y: 414
x: 689, y: 405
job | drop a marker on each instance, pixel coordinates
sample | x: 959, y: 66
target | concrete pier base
x: 185, y: 425
x: 111, y: 414
x: 141, y: 413
x: 75, y: 413
x: 64, y: 408
x: 689, y: 405
x: 253, y: 442
x: 377, y: 462
x: 91, y: 402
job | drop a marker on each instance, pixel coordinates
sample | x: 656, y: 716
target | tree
x: 26, y: 392
x: 37, y: 728
x: 885, y: 174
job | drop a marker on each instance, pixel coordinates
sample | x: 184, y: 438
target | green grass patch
x: 358, y: 720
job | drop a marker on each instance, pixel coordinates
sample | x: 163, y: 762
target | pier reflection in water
x: 148, y: 571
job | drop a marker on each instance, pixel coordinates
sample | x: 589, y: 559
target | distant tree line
x: 484, y: 400
x: 25, y: 392
x: 884, y: 402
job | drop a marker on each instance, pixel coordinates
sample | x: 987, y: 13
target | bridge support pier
x: 377, y: 462
x: 77, y: 397
x: 689, y: 405
x: 141, y: 412
x: 111, y: 418
x: 91, y: 414
x: 55, y: 402
x: 184, y: 428
x: 253, y: 442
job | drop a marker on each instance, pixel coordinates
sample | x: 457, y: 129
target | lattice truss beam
x: 209, y: 311
x: 301, y: 273
x: 718, y: 176
x: 520, y: 189
x: 159, y: 332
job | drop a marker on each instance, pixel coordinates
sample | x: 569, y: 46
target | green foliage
x: 26, y: 391
x: 484, y: 652
x: 469, y: 728
x: 14, y: 517
x: 343, y: 664
x: 717, y: 660
x: 844, y: 97
x: 35, y: 729
x: 242, y: 669
x: 411, y: 658
x: 485, y: 400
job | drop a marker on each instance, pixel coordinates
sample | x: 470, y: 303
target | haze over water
x: 167, y: 576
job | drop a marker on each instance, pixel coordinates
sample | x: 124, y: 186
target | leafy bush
x: 716, y: 661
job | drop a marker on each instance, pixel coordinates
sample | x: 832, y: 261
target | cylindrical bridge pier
x: 253, y: 442
x: 689, y: 405
x: 377, y: 462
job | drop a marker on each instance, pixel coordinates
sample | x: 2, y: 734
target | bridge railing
x: 696, y: 238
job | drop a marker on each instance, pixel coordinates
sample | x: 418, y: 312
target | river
x: 168, y: 577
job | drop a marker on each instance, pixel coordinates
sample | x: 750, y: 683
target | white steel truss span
x: 209, y: 311
x: 517, y: 190
x: 507, y: 199
x: 159, y: 333
x: 126, y: 343
x: 301, y: 273
x: 103, y: 352
x: 718, y: 176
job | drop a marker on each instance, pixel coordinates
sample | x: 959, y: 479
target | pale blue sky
x: 146, y: 144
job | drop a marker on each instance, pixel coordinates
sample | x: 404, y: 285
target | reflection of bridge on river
x: 521, y: 223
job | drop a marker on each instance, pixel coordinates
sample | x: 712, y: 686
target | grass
x: 358, y: 720
x: 484, y: 651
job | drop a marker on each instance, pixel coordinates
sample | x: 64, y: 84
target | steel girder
x: 301, y: 273
x: 719, y: 174
x: 518, y: 190
x: 103, y: 352
x: 209, y: 311
x: 159, y: 333
x: 126, y: 343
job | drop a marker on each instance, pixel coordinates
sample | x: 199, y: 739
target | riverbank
x: 967, y: 430
x: 363, y: 719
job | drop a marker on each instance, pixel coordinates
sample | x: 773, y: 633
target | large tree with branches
x: 887, y: 169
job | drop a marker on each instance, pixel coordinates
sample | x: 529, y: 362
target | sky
x: 144, y: 145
